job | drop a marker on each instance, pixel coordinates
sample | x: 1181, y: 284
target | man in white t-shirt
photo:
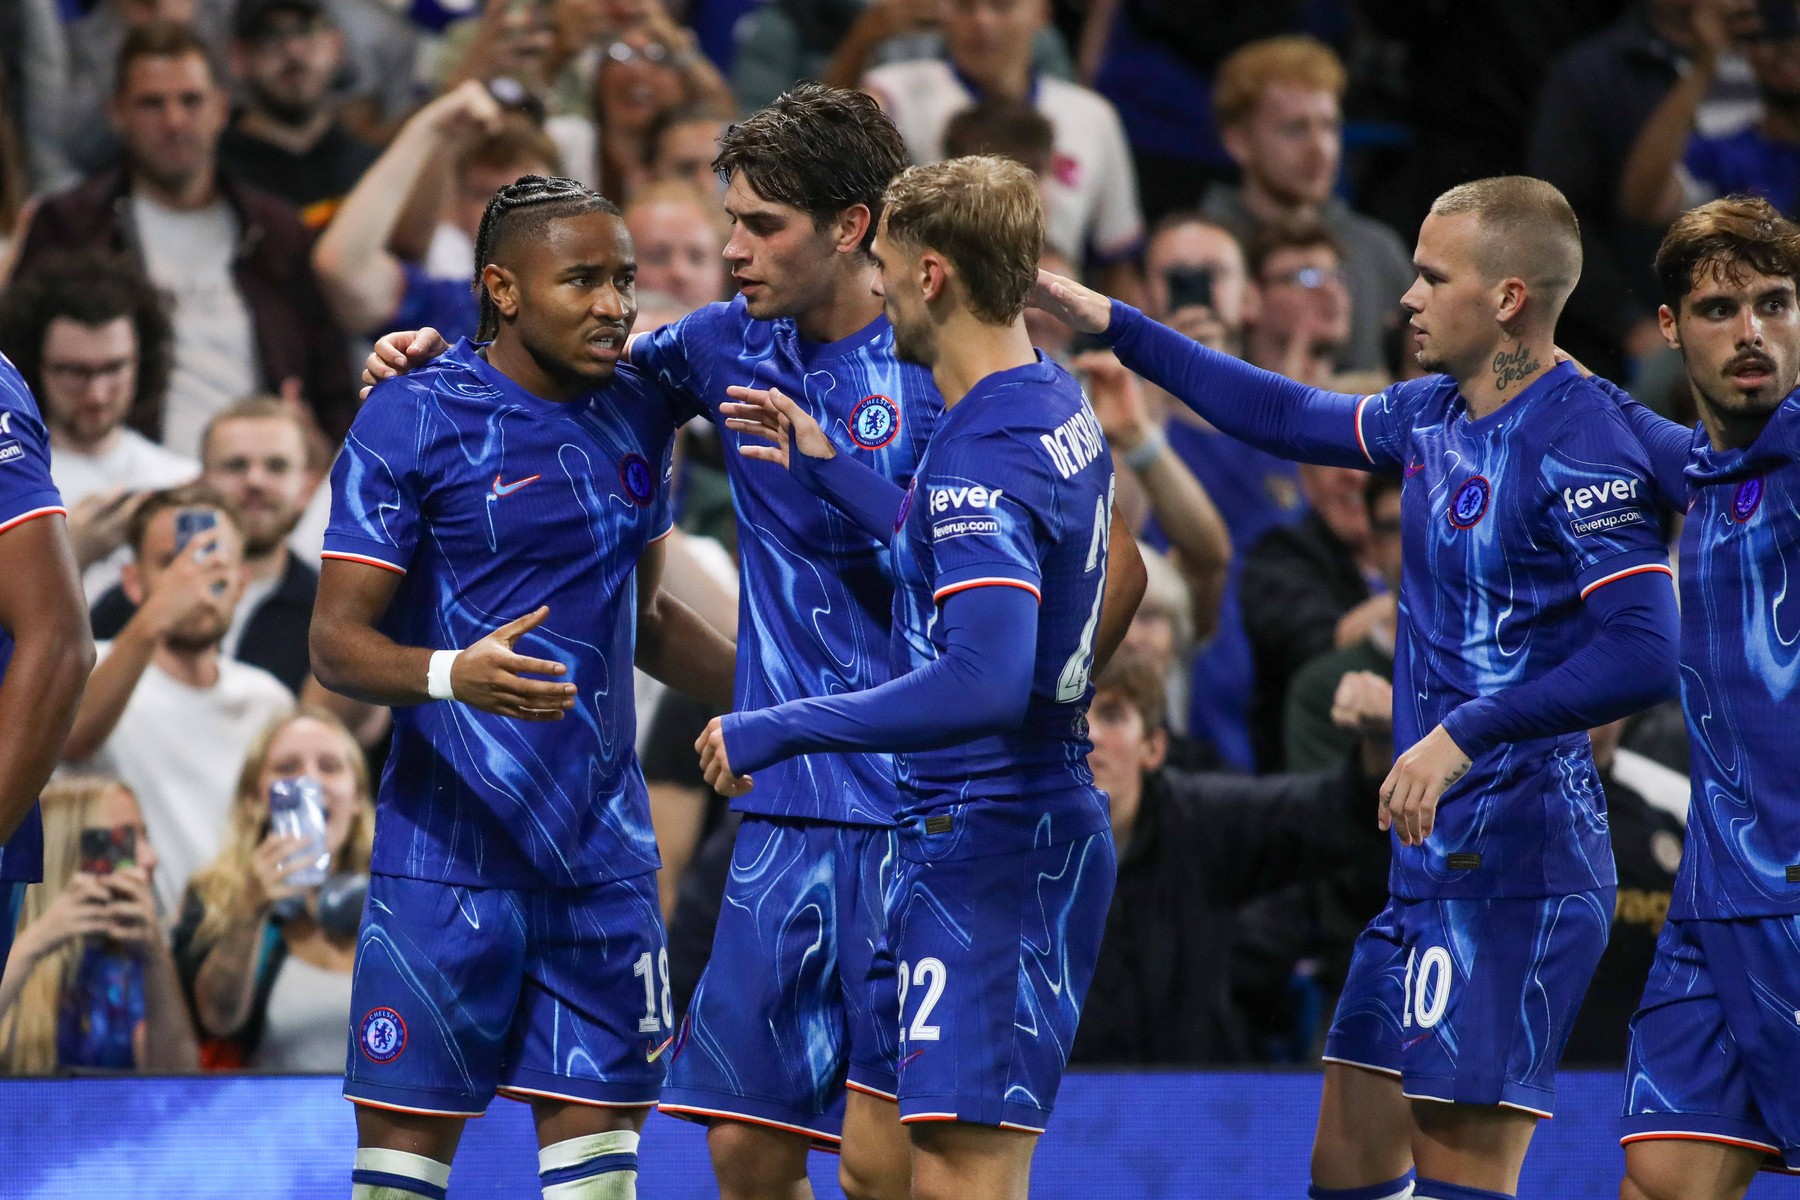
x: 1090, y: 191
x: 89, y: 334
x: 165, y: 710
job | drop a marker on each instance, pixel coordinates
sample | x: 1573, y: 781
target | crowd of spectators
x: 209, y: 208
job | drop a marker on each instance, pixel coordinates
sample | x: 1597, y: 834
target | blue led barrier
x: 1148, y: 1136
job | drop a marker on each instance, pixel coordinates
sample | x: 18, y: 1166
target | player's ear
x: 934, y: 276
x: 1665, y: 321
x: 851, y: 229
x: 131, y: 582
x: 503, y: 288
x: 1512, y: 295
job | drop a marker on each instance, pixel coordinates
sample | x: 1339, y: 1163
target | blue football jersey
x: 1016, y: 489
x: 25, y: 493
x: 1508, y: 522
x: 493, y: 502
x: 817, y: 591
x: 1740, y: 671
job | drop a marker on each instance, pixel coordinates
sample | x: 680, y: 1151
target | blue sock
x: 1437, y: 1189
x: 1393, y: 1189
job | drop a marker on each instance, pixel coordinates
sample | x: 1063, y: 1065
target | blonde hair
x: 28, y: 1028
x: 1528, y: 230
x: 985, y: 215
x: 1303, y: 61
x: 218, y: 885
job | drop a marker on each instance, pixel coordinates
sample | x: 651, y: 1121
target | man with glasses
x: 1304, y: 320
x: 93, y: 343
x: 287, y: 139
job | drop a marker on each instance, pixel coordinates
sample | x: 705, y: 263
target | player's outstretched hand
x: 1409, y: 795
x: 1080, y: 308
x: 715, y: 765
x: 398, y: 353
x: 770, y: 415
x: 490, y: 677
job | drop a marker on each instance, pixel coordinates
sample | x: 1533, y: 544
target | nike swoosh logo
x: 507, y: 489
x: 1410, y: 471
x: 650, y: 1056
x: 910, y: 1057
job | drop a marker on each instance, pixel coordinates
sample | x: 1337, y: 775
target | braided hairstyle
x: 524, y: 206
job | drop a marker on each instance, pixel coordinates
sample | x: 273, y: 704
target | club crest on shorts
x: 1747, y: 499
x: 383, y: 1035
x: 638, y: 480
x: 874, y: 422
x: 1470, y: 503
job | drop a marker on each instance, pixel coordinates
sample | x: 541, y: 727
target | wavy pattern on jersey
x: 1740, y: 649
x: 817, y: 591
x: 1491, y: 598
x: 1471, y: 999
x: 1029, y: 526
x: 790, y: 896
x: 477, y: 799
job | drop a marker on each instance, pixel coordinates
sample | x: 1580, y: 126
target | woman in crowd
x: 268, y: 962
x: 91, y: 982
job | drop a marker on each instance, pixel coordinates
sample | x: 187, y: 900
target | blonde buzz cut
x: 982, y: 213
x: 1528, y: 230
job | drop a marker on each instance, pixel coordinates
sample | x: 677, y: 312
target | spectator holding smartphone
x: 165, y: 710
x: 266, y: 959
x: 91, y: 981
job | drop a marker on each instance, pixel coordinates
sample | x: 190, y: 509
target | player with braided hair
x: 508, y: 498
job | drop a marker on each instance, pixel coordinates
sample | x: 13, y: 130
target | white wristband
x: 437, y: 675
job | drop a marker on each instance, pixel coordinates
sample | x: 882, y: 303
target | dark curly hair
x: 818, y: 149
x: 91, y: 288
x: 1731, y: 237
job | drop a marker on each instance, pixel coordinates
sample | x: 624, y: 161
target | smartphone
x: 1189, y: 287
x: 190, y: 523
x: 104, y: 851
x: 514, y: 96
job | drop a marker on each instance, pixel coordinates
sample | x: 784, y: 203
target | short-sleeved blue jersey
x: 25, y: 493
x: 1016, y: 490
x: 493, y: 502
x: 817, y: 591
x: 1740, y: 674
x: 1508, y: 522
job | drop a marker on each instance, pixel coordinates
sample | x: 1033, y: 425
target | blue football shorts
x: 787, y: 1014
x: 462, y: 992
x: 1715, y: 1044
x: 1470, y: 1001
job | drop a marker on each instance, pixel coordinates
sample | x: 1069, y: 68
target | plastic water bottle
x: 297, y: 809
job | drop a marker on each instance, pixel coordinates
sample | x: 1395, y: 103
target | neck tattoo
x: 1511, y: 368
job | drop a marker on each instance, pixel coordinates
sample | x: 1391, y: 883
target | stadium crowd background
x: 208, y: 210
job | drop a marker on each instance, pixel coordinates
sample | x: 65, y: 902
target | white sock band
x: 597, y: 1166
x: 389, y: 1174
